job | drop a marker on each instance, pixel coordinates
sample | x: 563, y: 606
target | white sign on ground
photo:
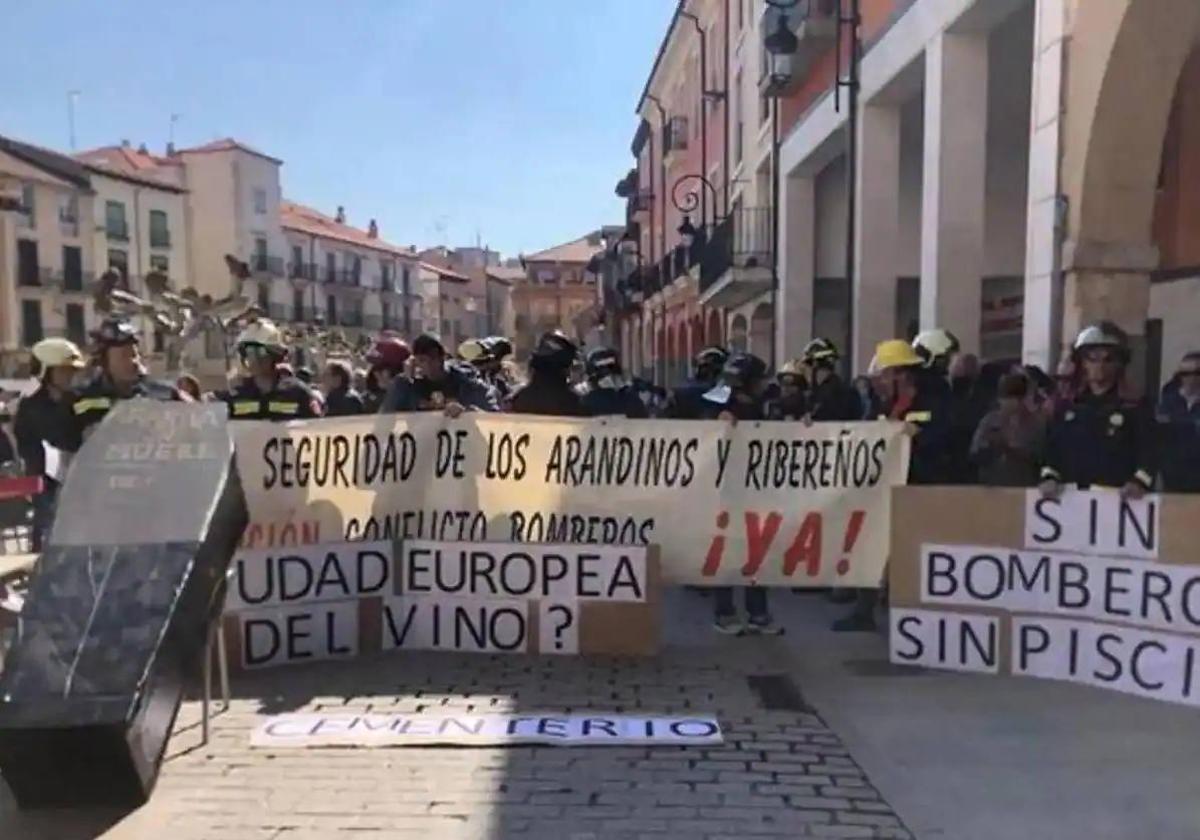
x: 596, y: 730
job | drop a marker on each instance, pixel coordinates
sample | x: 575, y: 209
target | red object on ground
x: 16, y: 488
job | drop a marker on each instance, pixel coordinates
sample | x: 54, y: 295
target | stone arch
x: 761, y: 332
x: 738, y: 332
x: 1126, y: 57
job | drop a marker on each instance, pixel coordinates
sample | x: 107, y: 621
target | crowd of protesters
x: 992, y: 424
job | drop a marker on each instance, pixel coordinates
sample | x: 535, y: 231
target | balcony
x: 117, y: 229
x: 736, y: 263
x: 75, y: 282
x: 34, y: 277
x: 265, y: 265
x: 349, y: 277
x: 301, y: 271
x: 68, y: 225
x: 160, y: 239
x: 350, y: 319
x: 815, y: 25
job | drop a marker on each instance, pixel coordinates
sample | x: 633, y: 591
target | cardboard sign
x: 595, y: 730
x: 333, y: 601
x: 1089, y: 589
x: 777, y: 504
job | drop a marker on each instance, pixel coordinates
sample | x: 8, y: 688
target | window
x: 546, y: 275
x: 264, y: 298
x: 114, y: 221
x: 72, y: 268
x: 75, y: 328
x: 28, y: 271
x: 68, y: 214
x: 260, y: 253
x: 31, y: 322
x: 297, y: 261
x: 387, y: 316
x: 330, y: 268
x: 297, y: 305
x: 260, y: 200
x: 357, y: 270
x: 160, y: 263
x: 28, y: 214
x: 405, y: 280
x: 331, y: 310
x: 160, y: 236
x: 386, y: 274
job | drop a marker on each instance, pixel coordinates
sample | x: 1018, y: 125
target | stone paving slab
x: 778, y: 774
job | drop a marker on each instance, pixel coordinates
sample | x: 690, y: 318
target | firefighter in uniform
x: 120, y: 376
x: 549, y: 390
x: 912, y: 398
x: 606, y: 393
x: 266, y: 393
x: 830, y: 398
x: 687, y: 401
x: 387, y: 360
x: 936, y: 349
x: 1102, y: 436
x: 791, y: 402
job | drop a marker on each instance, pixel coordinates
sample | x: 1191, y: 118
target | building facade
x: 47, y: 253
x: 986, y: 189
x: 558, y: 291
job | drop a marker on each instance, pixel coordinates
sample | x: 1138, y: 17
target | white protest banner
x: 609, y: 573
x: 1160, y: 666
x: 593, y: 730
x: 1093, y: 522
x: 558, y: 626
x: 1144, y: 593
x: 300, y: 574
x: 954, y: 641
x: 295, y: 633
x: 474, y: 625
x: 1087, y: 588
x: 771, y: 503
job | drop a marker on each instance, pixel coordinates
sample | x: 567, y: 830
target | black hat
x: 498, y: 347
x: 554, y: 351
x: 711, y: 358
x: 603, y: 361
x: 743, y: 369
x: 428, y: 344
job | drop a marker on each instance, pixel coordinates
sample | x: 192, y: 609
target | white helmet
x: 58, y: 352
x: 262, y: 332
x: 934, y: 345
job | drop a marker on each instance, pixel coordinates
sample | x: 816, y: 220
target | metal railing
x: 266, y: 264
x: 160, y: 239
x: 117, y: 229
x: 34, y: 277
x: 743, y: 240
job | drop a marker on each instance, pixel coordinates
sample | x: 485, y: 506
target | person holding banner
x: 269, y: 391
x: 387, y: 360
x: 606, y: 394
x: 830, y: 398
x: 549, y: 390
x: 1102, y: 437
x: 911, y: 394
x: 740, y: 396
x: 687, y: 401
x: 436, y: 385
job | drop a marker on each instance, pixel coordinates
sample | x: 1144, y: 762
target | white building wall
x: 1177, y: 304
x: 211, y: 220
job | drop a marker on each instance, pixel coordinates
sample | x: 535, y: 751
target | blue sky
x: 439, y: 118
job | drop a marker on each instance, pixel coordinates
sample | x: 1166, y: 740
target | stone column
x: 955, y: 175
x: 796, y: 265
x: 877, y: 229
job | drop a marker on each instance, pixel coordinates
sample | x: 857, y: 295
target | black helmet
x: 1104, y: 334
x: 602, y: 362
x: 711, y: 360
x: 553, y: 351
x: 498, y: 347
x: 743, y: 369
x: 820, y: 351
x: 115, y: 331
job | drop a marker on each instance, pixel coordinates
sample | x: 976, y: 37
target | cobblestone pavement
x: 781, y: 772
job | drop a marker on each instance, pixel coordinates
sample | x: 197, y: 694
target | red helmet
x: 389, y: 352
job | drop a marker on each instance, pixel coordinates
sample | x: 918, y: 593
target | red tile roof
x: 126, y: 158
x: 506, y: 275
x: 446, y: 273
x: 228, y: 144
x: 576, y: 251
x: 303, y: 219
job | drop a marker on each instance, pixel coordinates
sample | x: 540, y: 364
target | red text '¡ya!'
x: 761, y: 532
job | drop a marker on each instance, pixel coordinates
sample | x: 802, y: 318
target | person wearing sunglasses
x: 1179, y: 428
x: 267, y: 392
x: 1101, y: 436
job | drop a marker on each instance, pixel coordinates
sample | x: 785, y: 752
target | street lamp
x: 781, y: 46
x: 686, y: 195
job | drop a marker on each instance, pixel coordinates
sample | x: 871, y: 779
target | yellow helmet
x: 894, y: 353
x: 262, y: 332
x: 473, y: 350
x: 792, y: 369
x: 58, y: 352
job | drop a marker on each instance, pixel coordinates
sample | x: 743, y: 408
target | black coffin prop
x: 116, y: 616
